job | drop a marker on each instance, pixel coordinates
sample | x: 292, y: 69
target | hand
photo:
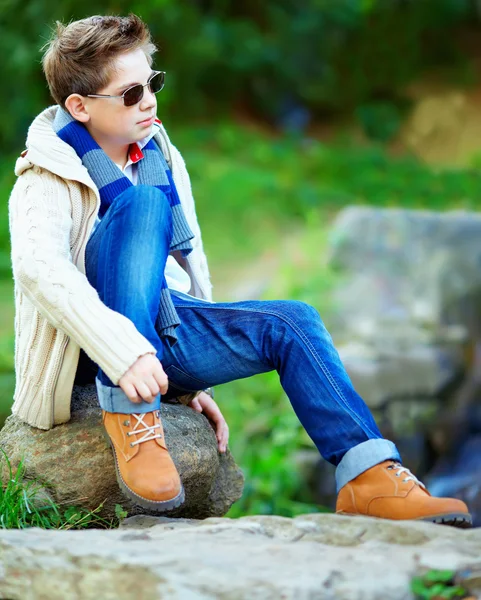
x: 144, y: 380
x: 204, y: 403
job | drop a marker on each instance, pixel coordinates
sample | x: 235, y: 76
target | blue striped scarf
x: 152, y: 170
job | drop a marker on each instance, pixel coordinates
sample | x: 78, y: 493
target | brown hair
x: 79, y: 57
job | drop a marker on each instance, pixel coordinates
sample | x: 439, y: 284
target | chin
x: 141, y: 133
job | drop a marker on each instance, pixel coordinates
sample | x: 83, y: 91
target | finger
x: 195, y: 404
x: 224, y: 438
x: 213, y: 413
x: 131, y: 393
x: 219, y: 430
x: 212, y: 410
x: 144, y: 392
x: 153, y: 386
x: 224, y: 433
x: 161, y: 379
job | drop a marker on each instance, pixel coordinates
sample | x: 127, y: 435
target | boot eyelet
x: 126, y: 423
x: 131, y: 444
x: 398, y: 475
x: 128, y: 433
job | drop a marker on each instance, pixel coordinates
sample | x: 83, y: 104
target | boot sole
x: 459, y: 520
x: 157, y: 506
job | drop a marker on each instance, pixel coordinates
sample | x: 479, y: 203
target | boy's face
x: 110, y: 122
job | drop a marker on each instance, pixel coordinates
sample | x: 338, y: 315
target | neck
x: 119, y: 156
x: 117, y: 152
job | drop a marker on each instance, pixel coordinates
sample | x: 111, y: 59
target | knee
x: 292, y: 319
x: 290, y: 315
x: 145, y: 204
x: 297, y: 315
x: 299, y: 311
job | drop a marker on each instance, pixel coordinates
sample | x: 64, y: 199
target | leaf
x: 435, y: 575
x: 120, y: 513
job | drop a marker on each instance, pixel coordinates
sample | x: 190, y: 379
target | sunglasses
x: 134, y: 94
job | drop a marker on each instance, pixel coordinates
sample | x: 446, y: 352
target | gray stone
x: 459, y: 476
x: 383, y: 373
x: 75, y: 463
x: 408, y: 324
x: 408, y: 306
x: 317, y: 556
x: 412, y: 264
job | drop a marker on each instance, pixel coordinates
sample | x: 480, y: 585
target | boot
x: 145, y: 471
x: 390, y: 491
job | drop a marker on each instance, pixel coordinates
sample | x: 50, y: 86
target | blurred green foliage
x: 285, y: 60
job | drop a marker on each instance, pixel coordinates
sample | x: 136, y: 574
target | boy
x: 107, y: 257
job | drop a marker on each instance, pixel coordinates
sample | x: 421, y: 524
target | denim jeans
x: 219, y: 342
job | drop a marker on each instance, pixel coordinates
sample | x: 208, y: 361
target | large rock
x: 410, y: 370
x: 75, y: 461
x: 409, y: 266
x: 460, y: 476
x: 317, y: 556
x: 408, y: 321
x: 444, y: 127
x: 409, y: 305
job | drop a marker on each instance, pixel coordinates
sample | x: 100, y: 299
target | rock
x: 383, y: 373
x: 444, y: 127
x: 312, y: 556
x: 409, y: 307
x: 75, y: 463
x: 460, y: 417
x: 408, y: 323
x: 411, y: 265
x: 459, y: 476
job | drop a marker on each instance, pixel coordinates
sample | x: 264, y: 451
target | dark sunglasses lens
x: 133, y: 95
x: 157, y: 83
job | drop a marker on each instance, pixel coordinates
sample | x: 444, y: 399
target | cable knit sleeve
x: 40, y: 225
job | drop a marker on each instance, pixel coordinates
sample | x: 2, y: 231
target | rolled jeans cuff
x: 362, y: 457
x: 114, y: 400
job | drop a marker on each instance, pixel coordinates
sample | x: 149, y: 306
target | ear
x: 76, y: 106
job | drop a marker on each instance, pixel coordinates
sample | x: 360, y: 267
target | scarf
x: 110, y: 181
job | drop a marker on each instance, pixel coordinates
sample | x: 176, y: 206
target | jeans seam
x: 318, y: 359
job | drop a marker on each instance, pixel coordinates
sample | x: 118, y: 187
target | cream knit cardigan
x: 52, y: 209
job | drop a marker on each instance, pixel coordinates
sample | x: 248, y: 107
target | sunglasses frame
x: 132, y: 87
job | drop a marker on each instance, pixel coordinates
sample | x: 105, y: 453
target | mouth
x: 147, y: 122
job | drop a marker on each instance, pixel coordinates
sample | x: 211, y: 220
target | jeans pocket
x: 180, y: 380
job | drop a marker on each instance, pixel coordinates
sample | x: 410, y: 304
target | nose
x: 149, y: 100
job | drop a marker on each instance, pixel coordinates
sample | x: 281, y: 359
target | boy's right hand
x: 144, y: 380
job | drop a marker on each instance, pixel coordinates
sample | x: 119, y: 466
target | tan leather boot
x: 145, y: 471
x: 390, y: 491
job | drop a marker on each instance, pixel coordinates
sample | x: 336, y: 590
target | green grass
x: 252, y: 191
x: 437, y: 584
x: 23, y: 504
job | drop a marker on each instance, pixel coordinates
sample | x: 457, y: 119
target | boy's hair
x: 79, y: 57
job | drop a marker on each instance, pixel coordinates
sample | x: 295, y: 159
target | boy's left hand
x: 203, y: 403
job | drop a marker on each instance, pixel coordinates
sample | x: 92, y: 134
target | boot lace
x: 148, y: 430
x: 409, y: 476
